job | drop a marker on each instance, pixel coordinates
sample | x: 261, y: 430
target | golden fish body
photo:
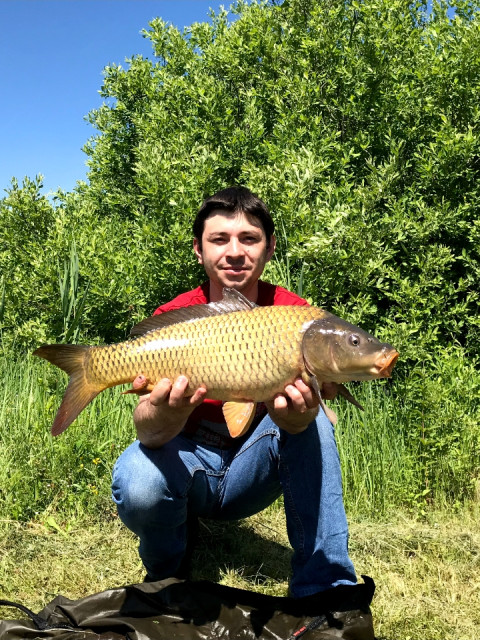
x: 240, y: 353
x: 247, y: 355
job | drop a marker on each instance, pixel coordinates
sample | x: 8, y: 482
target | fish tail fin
x: 80, y: 392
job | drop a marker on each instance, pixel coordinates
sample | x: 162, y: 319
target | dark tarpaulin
x: 182, y: 610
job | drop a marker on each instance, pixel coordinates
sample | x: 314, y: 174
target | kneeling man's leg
x: 306, y: 468
x: 316, y: 521
x: 152, y: 489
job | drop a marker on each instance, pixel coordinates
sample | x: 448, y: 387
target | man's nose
x: 234, y: 249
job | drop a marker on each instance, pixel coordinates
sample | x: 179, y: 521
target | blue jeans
x: 153, y: 488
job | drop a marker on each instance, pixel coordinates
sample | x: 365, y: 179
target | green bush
x: 358, y: 123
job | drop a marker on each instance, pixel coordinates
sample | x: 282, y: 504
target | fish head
x: 336, y: 351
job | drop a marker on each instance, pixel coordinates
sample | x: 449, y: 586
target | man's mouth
x: 235, y: 270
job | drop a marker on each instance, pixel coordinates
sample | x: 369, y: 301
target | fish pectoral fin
x: 343, y: 391
x: 311, y: 380
x: 330, y: 413
x: 238, y: 416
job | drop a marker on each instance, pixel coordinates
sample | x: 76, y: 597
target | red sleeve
x: 270, y: 294
x: 285, y: 297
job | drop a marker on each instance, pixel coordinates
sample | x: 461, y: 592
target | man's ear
x: 271, y: 248
x: 198, y: 251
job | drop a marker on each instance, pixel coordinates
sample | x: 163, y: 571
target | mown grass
x: 410, y: 474
x: 426, y: 571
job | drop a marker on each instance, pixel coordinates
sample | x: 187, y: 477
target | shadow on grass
x: 234, y: 547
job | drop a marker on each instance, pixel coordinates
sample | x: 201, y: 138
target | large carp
x: 240, y: 352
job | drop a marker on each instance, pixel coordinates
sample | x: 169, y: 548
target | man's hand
x: 294, y: 409
x: 162, y: 414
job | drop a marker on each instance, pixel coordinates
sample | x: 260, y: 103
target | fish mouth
x: 384, y: 366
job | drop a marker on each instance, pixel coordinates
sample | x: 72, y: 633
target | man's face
x: 234, y: 249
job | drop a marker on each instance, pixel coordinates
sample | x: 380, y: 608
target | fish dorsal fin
x: 238, y: 416
x: 185, y: 314
x: 232, y: 301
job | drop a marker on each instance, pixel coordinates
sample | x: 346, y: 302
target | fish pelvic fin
x: 330, y: 413
x: 343, y: 391
x: 80, y: 392
x: 238, y: 416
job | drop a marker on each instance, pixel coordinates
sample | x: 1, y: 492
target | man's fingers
x: 198, y: 397
x: 309, y: 397
x: 296, y: 398
x: 139, y: 386
x: 172, y: 394
x: 139, y: 383
x: 160, y: 392
x: 177, y: 393
x: 279, y: 404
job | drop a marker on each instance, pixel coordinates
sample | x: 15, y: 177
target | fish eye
x: 354, y: 340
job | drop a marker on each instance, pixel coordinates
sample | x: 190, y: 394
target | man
x: 184, y: 464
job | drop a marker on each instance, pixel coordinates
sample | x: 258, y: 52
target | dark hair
x: 234, y: 200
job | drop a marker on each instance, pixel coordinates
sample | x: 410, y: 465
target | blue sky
x: 52, y: 54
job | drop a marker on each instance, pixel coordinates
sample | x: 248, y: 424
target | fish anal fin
x: 238, y: 416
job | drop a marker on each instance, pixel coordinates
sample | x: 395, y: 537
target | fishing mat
x: 185, y: 610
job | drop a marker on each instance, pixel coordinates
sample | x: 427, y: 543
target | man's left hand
x: 294, y: 409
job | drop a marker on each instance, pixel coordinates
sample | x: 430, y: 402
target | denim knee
x: 145, y: 488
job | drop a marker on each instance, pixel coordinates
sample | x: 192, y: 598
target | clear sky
x: 52, y: 53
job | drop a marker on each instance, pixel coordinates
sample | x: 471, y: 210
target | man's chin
x: 236, y: 281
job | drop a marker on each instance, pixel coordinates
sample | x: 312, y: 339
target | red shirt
x: 206, y: 423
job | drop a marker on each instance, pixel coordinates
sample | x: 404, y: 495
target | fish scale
x: 240, y: 353
x: 229, y: 354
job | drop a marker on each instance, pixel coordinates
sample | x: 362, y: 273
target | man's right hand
x: 161, y: 414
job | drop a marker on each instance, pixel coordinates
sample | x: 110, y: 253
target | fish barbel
x: 240, y: 352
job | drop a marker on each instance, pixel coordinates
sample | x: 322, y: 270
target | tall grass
x: 71, y: 297
x: 39, y: 473
x: 390, y: 458
x: 375, y: 459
